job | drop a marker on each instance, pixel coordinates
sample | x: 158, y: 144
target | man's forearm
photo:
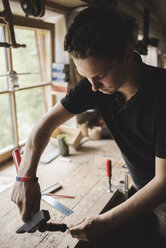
x: 39, y: 138
x: 34, y: 147
x: 141, y: 202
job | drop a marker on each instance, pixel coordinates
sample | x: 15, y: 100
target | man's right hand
x: 27, y: 197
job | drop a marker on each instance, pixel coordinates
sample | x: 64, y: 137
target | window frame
x: 24, y: 22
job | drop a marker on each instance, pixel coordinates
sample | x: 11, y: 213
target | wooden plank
x: 32, y: 22
x: 105, y: 202
x: 64, y: 6
x: 116, y: 199
x: 95, y: 185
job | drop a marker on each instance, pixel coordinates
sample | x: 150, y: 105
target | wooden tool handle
x: 53, y: 227
x: 56, y: 227
x: 109, y: 168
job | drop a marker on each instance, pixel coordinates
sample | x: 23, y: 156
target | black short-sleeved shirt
x: 138, y: 125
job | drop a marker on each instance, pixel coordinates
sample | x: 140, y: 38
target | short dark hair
x: 98, y: 32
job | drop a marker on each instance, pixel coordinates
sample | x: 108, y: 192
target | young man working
x: 131, y: 99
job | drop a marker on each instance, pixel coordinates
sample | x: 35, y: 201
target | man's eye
x: 101, y: 76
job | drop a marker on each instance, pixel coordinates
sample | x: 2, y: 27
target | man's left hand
x: 88, y: 229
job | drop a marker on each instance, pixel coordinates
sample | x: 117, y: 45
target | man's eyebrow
x: 100, y: 74
x: 95, y: 76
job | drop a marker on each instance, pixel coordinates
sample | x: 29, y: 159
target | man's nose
x: 95, y: 84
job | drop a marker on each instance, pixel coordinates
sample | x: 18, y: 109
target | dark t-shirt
x: 138, y: 126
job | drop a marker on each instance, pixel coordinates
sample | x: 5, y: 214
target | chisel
x: 17, y: 158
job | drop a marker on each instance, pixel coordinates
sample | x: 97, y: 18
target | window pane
x: 30, y: 107
x: 152, y: 57
x: 25, y: 60
x: 3, y: 62
x: 2, y: 36
x: 6, y: 129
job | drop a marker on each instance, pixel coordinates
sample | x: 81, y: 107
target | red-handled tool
x: 109, y: 173
x: 17, y: 158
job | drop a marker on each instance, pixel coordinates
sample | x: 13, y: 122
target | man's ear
x: 129, y: 53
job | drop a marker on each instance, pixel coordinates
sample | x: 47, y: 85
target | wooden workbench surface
x: 84, y: 177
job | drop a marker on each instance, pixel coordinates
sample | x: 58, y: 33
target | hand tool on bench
x: 39, y: 222
x: 49, y: 199
x: 53, y: 188
x: 56, y: 204
x: 126, y: 187
x: 109, y: 173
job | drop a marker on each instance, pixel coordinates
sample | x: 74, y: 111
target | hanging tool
x: 7, y: 17
x: 39, y: 222
x: 30, y: 7
x: 109, y: 173
x: 33, y: 7
x: 49, y: 199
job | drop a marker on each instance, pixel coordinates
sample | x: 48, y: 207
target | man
x: 131, y: 99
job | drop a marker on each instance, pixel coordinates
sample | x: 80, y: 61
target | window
x: 20, y: 108
x: 30, y: 107
x: 25, y: 60
x: 3, y: 67
x: 152, y: 57
x: 6, y: 130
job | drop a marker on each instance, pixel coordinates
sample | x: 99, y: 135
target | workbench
x: 84, y: 176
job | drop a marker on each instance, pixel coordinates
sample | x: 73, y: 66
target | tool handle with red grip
x: 109, y: 168
x: 17, y: 158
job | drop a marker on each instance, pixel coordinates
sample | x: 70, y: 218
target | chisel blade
x: 56, y: 204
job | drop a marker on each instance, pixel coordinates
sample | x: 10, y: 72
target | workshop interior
x: 35, y: 74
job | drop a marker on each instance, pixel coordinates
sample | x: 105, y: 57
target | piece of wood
x: 57, y: 7
x: 106, y: 202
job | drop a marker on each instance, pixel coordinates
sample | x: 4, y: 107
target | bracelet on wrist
x: 27, y: 179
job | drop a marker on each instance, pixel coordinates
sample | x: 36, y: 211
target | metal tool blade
x: 52, y: 188
x: 56, y: 204
x: 39, y: 219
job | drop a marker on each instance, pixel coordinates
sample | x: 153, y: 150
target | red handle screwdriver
x: 109, y: 168
x: 109, y: 173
